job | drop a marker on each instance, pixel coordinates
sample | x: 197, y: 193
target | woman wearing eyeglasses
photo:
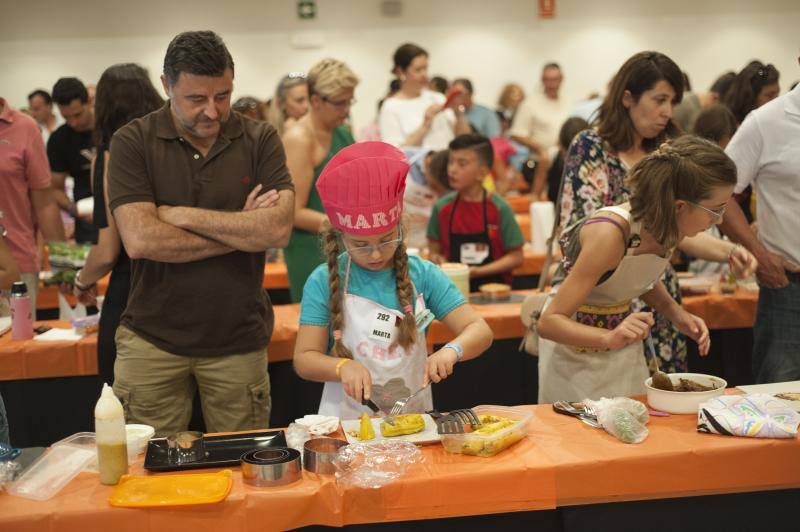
x: 290, y: 102
x: 415, y: 116
x: 634, y: 119
x: 309, y: 145
x: 365, y: 314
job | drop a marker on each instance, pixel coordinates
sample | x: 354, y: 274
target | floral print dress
x: 594, y: 177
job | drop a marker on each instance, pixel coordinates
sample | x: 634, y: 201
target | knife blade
x: 369, y: 403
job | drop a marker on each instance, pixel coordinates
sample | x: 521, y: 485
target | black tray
x: 221, y: 451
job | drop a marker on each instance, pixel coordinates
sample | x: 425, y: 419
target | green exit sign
x: 307, y: 9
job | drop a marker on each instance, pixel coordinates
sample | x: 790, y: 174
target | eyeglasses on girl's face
x: 717, y: 214
x: 368, y: 249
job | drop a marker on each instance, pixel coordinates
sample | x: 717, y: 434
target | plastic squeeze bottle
x: 112, y: 443
x: 21, y: 313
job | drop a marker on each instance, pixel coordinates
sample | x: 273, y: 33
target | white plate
x: 773, y: 388
x: 5, y: 325
x: 428, y: 435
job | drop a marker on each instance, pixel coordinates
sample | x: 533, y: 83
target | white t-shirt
x: 401, y: 117
x: 540, y: 118
x: 766, y: 150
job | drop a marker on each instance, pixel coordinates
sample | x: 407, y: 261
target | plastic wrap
x: 374, y: 465
x: 8, y: 472
x: 622, y: 417
x: 296, y: 436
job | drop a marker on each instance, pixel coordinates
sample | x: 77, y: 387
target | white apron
x: 396, y: 372
x: 571, y: 373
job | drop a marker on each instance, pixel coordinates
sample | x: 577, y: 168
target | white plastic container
x: 486, y: 445
x: 543, y: 214
x: 459, y: 274
x: 138, y: 436
x: 683, y: 402
x: 112, y: 441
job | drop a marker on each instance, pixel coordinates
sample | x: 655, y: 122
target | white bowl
x: 137, y: 436
x: 683, y: 402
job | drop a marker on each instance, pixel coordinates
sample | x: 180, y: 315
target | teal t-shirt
x: 440, y: 294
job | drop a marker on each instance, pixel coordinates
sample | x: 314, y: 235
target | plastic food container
x: 51, y: 472
x: 137, y: 436
x: 495, y: 291
x: 476, y: 444
x: 683, y: 402
x: 82, y: 440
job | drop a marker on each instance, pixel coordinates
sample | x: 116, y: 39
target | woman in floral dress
x: 634, y: 120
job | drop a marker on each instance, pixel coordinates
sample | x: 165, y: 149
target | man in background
x: 26, y: 199
x: 40, y: 106
x: 483, y: 120
x: 71, y: 150
x: 540, y: 115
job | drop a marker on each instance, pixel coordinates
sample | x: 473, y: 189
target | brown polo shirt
x: 210, y: 307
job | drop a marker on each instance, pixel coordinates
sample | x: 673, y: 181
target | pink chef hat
x: 362, y: 187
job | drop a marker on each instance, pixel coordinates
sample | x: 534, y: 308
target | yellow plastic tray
x: 171, y: 490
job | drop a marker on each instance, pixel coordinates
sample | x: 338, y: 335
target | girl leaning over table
x: 591, y: 343
x: 364, y: 314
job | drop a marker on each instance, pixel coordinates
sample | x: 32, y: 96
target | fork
x: 400, y: 404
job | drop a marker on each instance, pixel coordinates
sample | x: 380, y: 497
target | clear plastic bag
x: 374, y: 465
x: 296, y: 436
x: 622, y: 417
x: 8, y: 472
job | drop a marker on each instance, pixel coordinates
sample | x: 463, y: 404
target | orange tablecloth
x: 275, y: 278
x: 30, y: 360
x: 736, y: 311
x: 520, y: 204
x: 562, y: 462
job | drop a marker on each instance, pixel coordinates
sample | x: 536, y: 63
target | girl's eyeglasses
x: 717, y: 214
x: 369, y: 249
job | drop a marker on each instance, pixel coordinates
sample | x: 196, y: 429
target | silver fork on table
x: 400, y: 404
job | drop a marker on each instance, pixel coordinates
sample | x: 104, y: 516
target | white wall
x: 490, y: 42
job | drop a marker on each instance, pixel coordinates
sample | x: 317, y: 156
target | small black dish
x: 221, y: 451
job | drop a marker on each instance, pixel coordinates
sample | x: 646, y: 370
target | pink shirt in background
x: 23, y: 166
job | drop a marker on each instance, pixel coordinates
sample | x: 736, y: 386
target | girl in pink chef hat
x: 364, y: 314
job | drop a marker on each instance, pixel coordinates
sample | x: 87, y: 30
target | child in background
x: 364, y: 314
x: 436, y: 172
x: 471, y: 225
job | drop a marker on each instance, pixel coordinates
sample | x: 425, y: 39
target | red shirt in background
x: 23, y: 167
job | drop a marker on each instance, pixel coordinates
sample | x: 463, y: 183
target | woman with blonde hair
x: 510, y: 98
x: 290, y: 102
x: 310, y: 144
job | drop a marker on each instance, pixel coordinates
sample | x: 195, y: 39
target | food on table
x: 688, y: 385
x: 66, y: 254
x: 486, y: 445
x: 366, y: 432
x: 623, y: 425
x: 495, y: 290
x: 788, y: 396
x: 62, y: 277
x: 403, y: 424
x: 662, y: 382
